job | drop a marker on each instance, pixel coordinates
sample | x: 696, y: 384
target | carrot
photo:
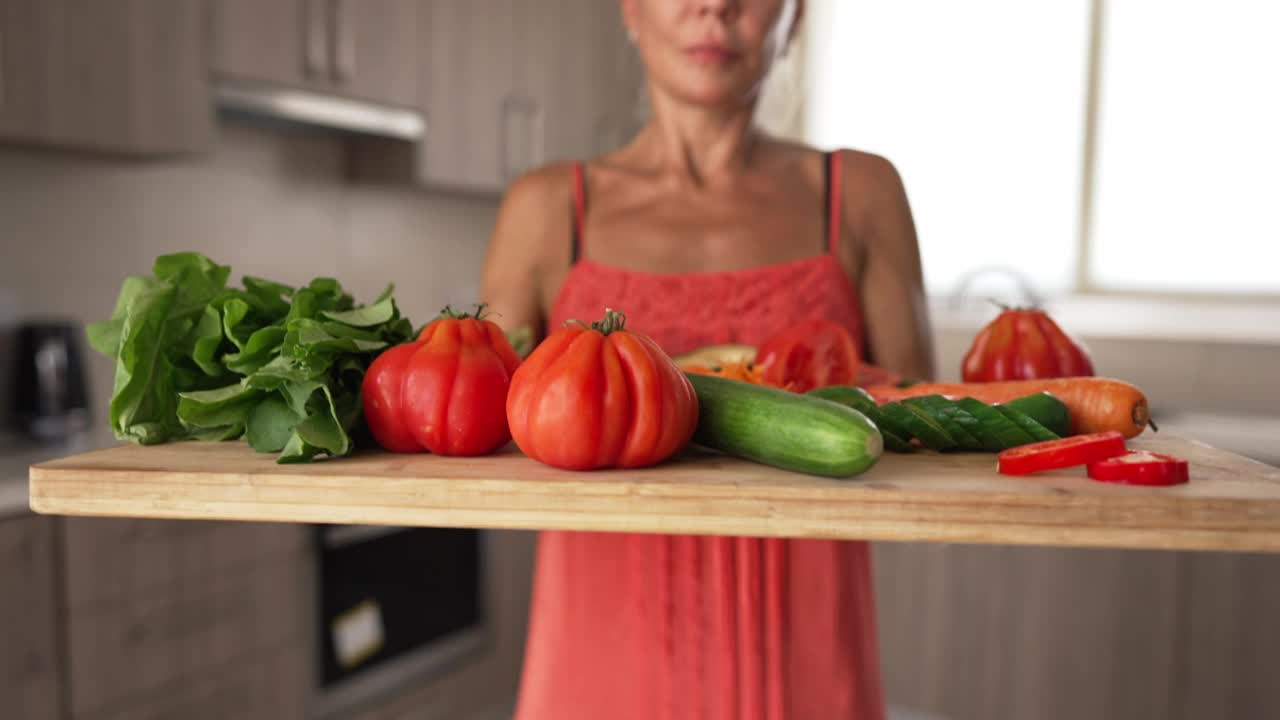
x: 1095, y: 404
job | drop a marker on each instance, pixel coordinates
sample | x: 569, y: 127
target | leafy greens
x: 281, y: 367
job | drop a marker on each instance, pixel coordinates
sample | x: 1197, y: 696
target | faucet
x: 1025, y: 286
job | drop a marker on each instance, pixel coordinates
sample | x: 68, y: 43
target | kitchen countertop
x: 1131, y: 318
x: 18, y: 453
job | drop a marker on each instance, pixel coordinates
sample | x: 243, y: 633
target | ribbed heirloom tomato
x: 599, y: 397
x: 1024, y: 345
x: 445, y: 392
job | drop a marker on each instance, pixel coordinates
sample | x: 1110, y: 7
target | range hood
x: 318, y: 109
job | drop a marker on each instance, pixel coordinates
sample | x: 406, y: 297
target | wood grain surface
x: 1232, y: 503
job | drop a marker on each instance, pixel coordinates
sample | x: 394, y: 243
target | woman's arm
x: 886, y: 258
x: 534, y: 215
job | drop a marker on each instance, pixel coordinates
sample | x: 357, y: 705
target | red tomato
x: 600, y: 397
x: 1024, y: 345
x: 1056, y: 454
x: 446, y: 392
x: 812, y: 354
x: 1141, y: 468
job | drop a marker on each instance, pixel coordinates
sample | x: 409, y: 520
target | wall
x: 268, y: 201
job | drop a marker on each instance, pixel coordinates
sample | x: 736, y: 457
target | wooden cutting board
x: 1232, y: 503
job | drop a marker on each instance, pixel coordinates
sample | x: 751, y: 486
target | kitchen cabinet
x: 509, y: 85
x: 193, y: 606
x: 469, y: 96
x: 28, y: 619
x: 272, y: 684
x: 1001, y: 632
x: 125, y: 77
x: 365, y: 49
x: 1230, y: 646
x: 375, y: 53
x: 1004, y: 632
x: 591, y: 77
x: 187, y: 631
x: 140, y: 619
x: 281, y: 42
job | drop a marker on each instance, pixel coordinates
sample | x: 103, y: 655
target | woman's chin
x: 715, y: 94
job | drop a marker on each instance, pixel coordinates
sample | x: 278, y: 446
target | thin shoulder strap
x: 835, y: 197
x: 579, y: 211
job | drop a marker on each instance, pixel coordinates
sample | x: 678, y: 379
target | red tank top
x: 627, y: 626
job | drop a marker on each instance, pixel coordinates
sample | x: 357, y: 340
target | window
x: 979, y: 105
x: 983, y: 108
x: 1187, y: 190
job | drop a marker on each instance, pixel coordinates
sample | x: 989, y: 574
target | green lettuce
x: 198, y: 359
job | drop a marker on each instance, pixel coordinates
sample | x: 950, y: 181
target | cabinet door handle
x: 521, y: 129
x: 343, y: 45
x: 509, y: 113
x: 313, y: 51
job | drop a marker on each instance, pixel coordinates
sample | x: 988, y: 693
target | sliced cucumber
x: 854, y: 397
x: 1045, y: 409
x: 896, y: 437
x: 996, y: 431
x: 965, y: 419
x: 944, y: 411
x: 921, y: 425
x: 894, y: 443
x: 1028, y: 423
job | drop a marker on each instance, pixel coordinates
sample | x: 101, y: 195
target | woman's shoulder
x: 858, y: 167
x: 870, y: 185
x: 540, y: 185
x: 869, y: 166
x: 533, y: 226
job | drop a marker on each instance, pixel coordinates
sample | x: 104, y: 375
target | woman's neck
x: 699, y: 144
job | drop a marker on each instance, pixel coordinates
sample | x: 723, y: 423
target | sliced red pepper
x: 1055, y: 454
x: 1141, y: 468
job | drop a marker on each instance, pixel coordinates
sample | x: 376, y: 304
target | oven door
x: 396, y: 606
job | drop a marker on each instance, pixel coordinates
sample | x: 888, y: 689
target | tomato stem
x: 479, y: 314
x: 613, y: 322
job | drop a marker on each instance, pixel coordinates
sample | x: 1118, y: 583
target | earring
x: 632, y: 35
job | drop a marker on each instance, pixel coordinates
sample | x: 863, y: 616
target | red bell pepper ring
x: 1141, y: 468
x: 1056, y: 454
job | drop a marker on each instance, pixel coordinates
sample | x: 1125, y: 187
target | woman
x: 703, y: 230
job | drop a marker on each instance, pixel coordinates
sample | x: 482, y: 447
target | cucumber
x: 854, y: 397
x: 1047, y: 410
x: 966, y: 420
x: 895, y: 442
x: 996, y: 431
x: 921, y: 424
x: 1037, y: 431
x: 946, y: 413
x: 895, y: 438
x: 784, y: 430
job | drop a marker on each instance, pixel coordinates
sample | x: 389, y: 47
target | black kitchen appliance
x: 396, y: 605
x: 49, y: 393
